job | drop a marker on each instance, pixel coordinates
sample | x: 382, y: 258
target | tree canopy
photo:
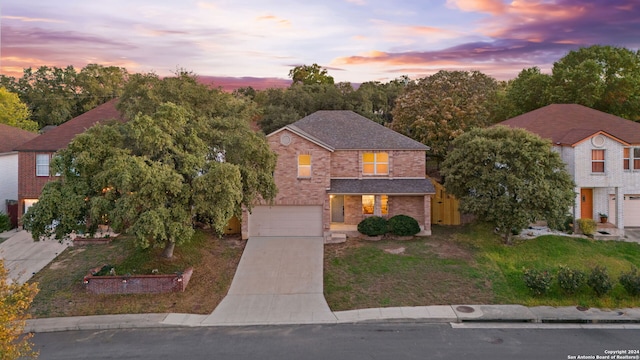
x: 605, y: 78
x: 55, y: 95
x: 194, y: 158
x: 508, y: 177
x: 437, y: 109
x: 14, y: 112
x: 310, y: 75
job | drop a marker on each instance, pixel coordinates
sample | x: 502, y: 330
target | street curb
x: 423, y: 314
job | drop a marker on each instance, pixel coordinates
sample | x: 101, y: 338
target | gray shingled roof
x: 382, y: 186
x: 346, y: 130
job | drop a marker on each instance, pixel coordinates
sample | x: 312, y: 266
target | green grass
x: 469, y: 265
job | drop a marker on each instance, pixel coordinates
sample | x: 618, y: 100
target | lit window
x: 375, y: 163
x: 368, y: 203
x: 304, y: 166
x: 597, y: 161
x: 384, y: 207
x: 42, y: 165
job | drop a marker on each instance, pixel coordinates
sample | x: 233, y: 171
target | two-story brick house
x: 34, y: 156
x: 602, y: 153
x: 335, y: 168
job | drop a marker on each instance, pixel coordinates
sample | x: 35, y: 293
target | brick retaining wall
x: 138, y: 284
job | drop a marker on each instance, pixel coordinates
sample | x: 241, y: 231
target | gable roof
x: 346, y: 130
x: 12, y: 137
x: 568, y: 124
x: 59, y: 137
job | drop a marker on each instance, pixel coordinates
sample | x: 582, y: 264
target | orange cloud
x: 29, y: 19
x: 495, y: 7
x: 277, y: 20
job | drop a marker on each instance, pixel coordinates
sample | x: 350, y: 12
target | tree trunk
x: 168, y: 250
x: 507, y: 238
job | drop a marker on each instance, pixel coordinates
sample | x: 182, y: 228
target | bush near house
x: 599, y: 280
x: 538, y: 281
x: 5, y: 222
x: 588, y: 226
x: 570, y: 280
x: 403, y: 225
x: 373, y: 226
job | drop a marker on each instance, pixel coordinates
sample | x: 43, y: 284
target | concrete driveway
x: 24, y: 257
x: 632, y: 234
x: 279, y: 280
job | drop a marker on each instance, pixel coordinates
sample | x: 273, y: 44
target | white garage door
x: 285, y: 221
x: 631, y: 210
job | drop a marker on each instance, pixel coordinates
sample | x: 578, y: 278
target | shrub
x: 373, y: 226
x: 588, y: 226
x: 537, y: 281
x: 570, y: 279
x: 599, y: 280
x: 403, y: 225
x: 631, y: 281
x: 5, y: 222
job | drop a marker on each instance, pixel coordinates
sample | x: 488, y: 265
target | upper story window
x: 375, y: 163
x: 631, y: 159
x: 304, y: 166
x: 42, y: 164
x: 597, y: 161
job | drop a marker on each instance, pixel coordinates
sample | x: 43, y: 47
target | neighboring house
x: 334, y: 169
x: 10, y: 138
x: 35, y: 155
x: 602, y: 153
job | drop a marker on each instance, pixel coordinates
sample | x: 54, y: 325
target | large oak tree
x: 186, y: 154
x: 508, y: 177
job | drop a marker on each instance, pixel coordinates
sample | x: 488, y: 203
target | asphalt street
x: 353, y: 342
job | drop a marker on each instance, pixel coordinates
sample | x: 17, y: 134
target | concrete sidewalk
x: 475, y: 315
x: 24, y: 257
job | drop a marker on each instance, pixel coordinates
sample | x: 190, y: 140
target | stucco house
x: 10, y: 138
x: 34, y: 156
x: 334, y: 169
x: 602, y: 154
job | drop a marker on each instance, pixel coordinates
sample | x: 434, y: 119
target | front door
x: 586, y: 203
x: 337, y: 208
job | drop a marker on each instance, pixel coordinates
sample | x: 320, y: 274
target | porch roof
x: 382, y: 186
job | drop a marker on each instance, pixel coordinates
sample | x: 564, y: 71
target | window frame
x: 375, y: 164
x: 40, y: 165
x: 304, y: 167
x: 596, y: 162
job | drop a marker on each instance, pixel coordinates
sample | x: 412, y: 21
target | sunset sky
x: 356, y: 40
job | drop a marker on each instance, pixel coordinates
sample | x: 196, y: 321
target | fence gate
x: 444, y: 207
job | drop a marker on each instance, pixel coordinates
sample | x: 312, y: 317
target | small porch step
x: 336, y: 238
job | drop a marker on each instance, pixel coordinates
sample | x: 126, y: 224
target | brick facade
x: 340, y: 164
x: 29, y: 185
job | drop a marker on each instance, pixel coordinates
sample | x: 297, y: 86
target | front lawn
x: 468, y: 265
x: 62, y: 292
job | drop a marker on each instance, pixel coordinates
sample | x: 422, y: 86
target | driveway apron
x: 279, y: 280
x: 24, y: 257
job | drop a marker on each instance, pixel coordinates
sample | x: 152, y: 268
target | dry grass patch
x: 214, y: 261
